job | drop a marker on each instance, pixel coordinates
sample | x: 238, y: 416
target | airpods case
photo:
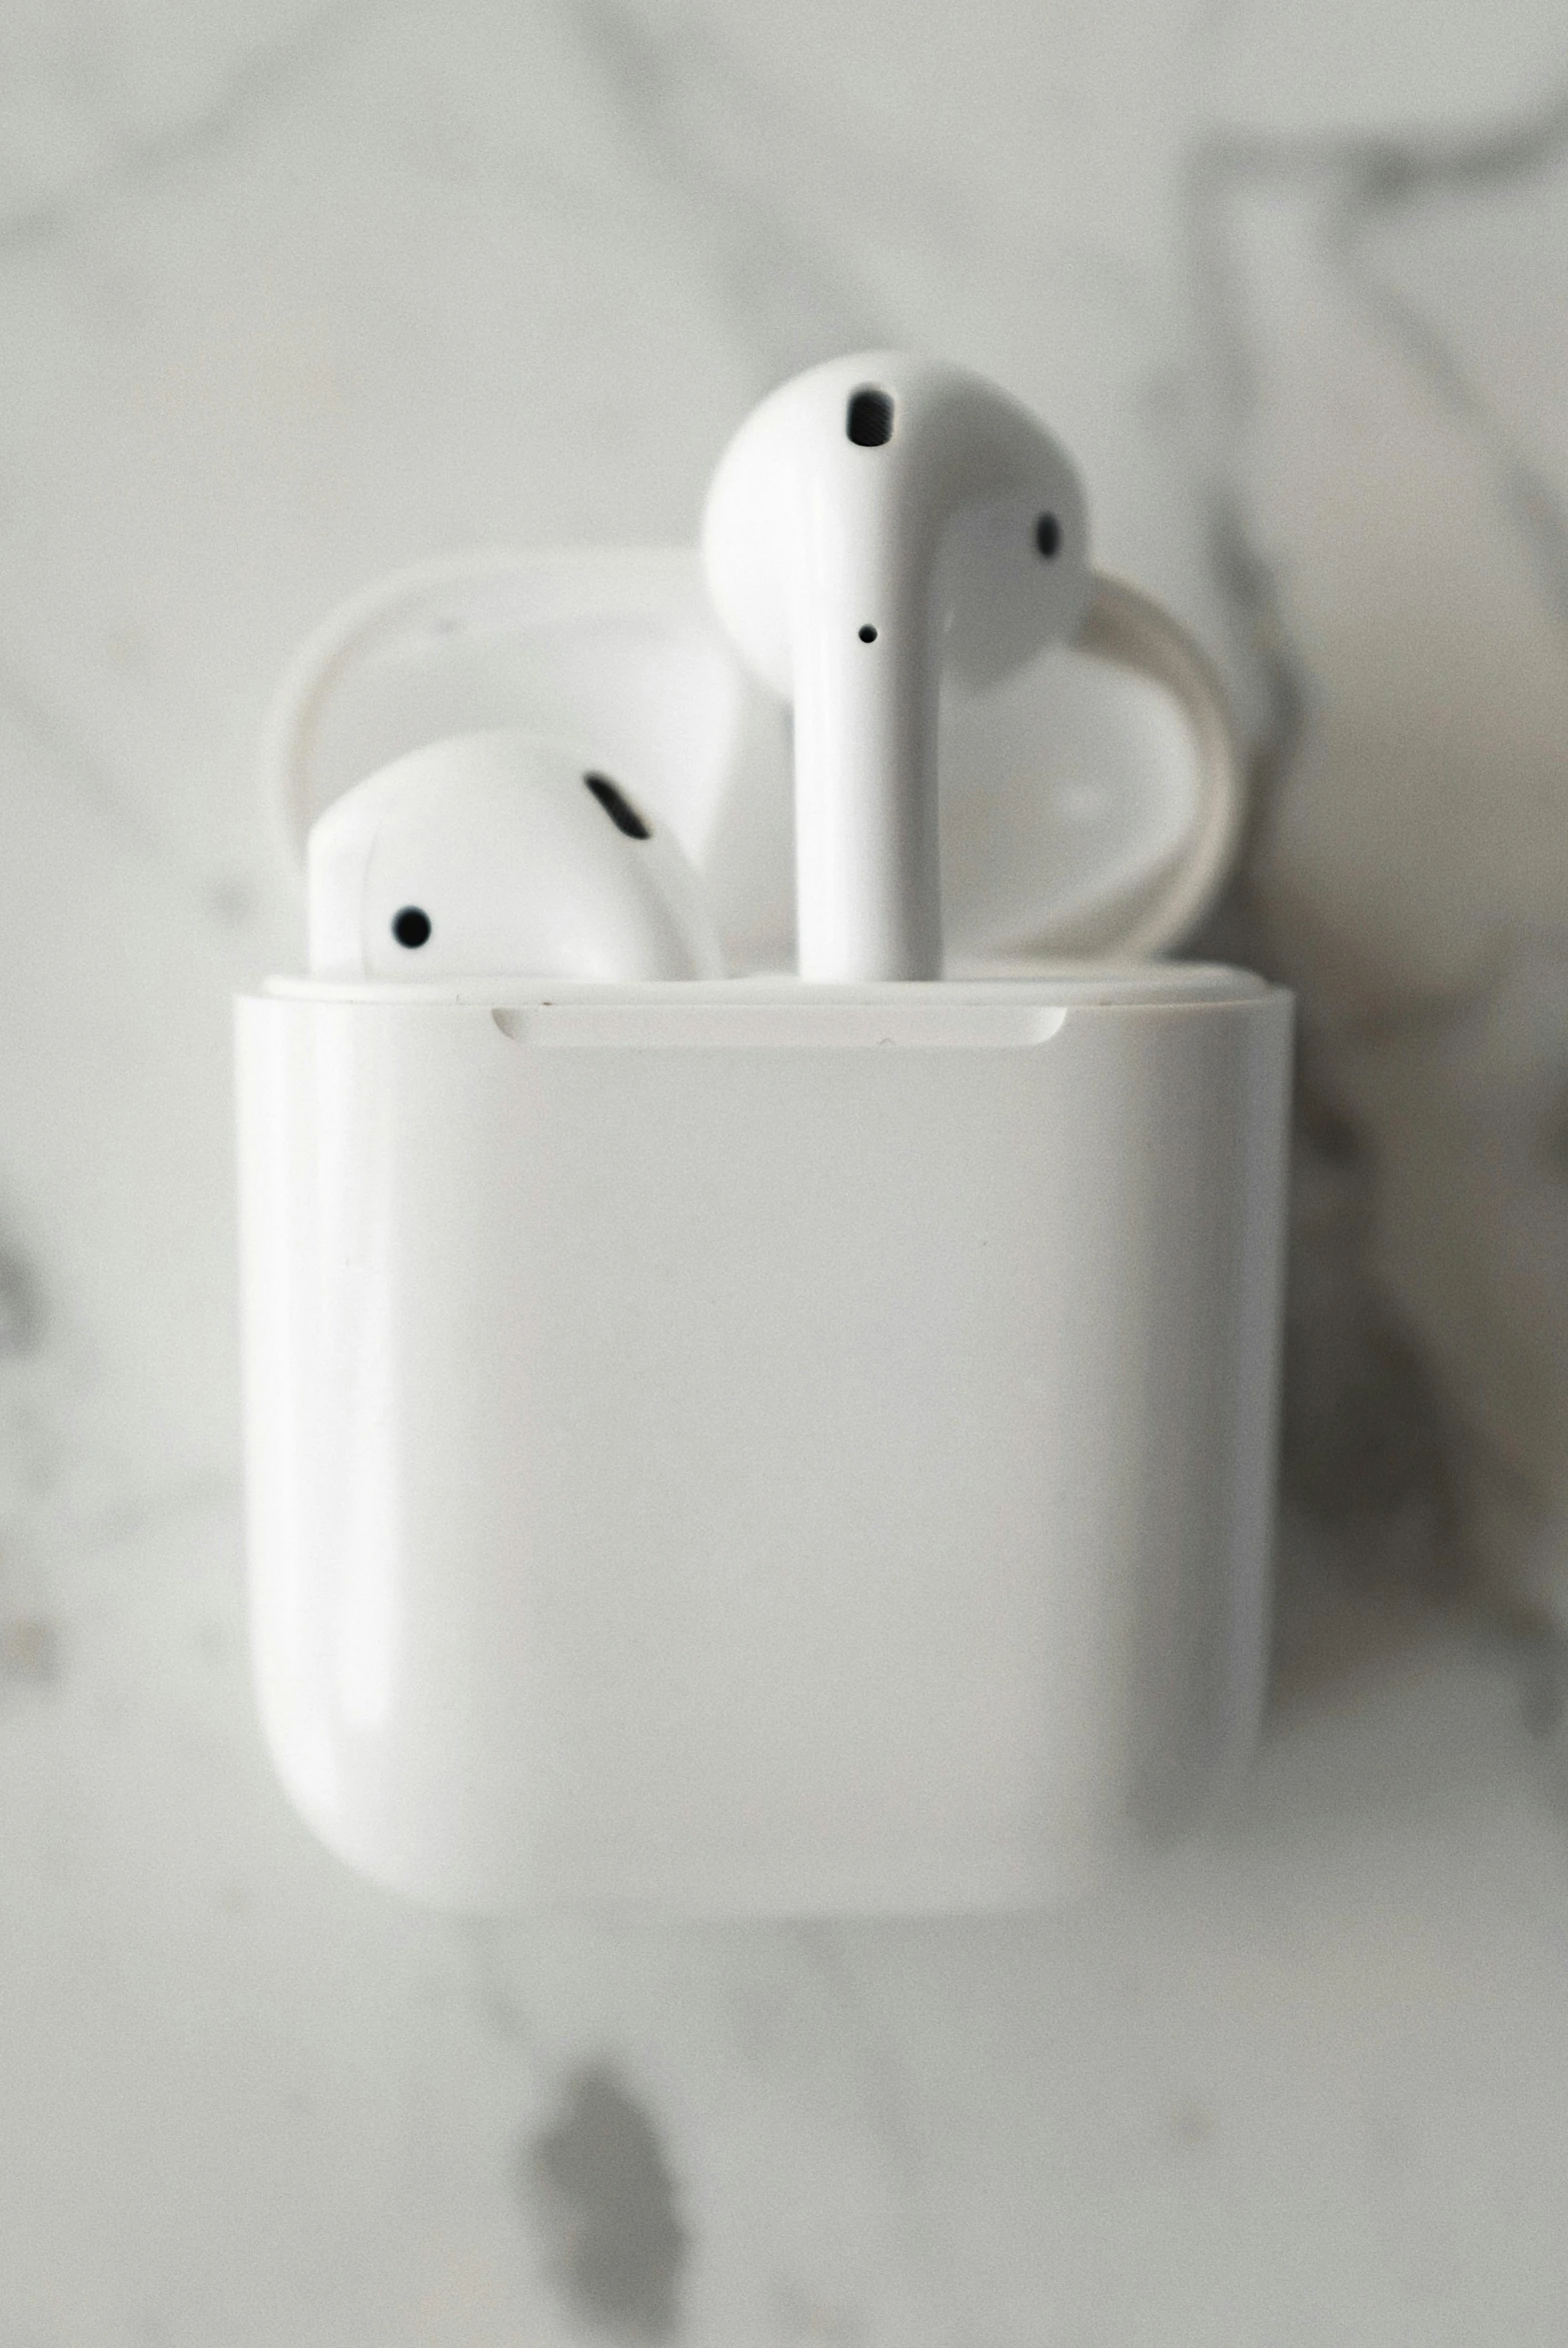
x: 743, y: 1447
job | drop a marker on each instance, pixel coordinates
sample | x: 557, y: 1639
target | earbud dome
x: 497, y: 853
x: 987, y: 500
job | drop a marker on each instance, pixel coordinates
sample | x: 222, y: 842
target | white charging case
x: 745, y: 1446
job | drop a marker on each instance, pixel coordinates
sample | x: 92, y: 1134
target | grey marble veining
x: 1450, y: 667
x: 295, y: 293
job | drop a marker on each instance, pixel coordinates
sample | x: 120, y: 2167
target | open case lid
x: 1090, y: 803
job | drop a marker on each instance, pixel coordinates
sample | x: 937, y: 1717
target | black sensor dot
x: 868, y: 417
x: 1048, y: 536
x: 868, y: 634
x: 619, y: 808
x: 411, y: 927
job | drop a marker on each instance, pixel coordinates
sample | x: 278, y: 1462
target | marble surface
x: 292, y: 294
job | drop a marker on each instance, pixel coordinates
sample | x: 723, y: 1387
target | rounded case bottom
x: 757, y: 1451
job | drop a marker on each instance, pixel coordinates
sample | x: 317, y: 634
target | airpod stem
x: 868, y: 866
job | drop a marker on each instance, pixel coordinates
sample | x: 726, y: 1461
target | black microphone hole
x: 868, y: 634
x: 619, y: 808
x: 868, y: 421
x: 411, y: 927
x: 1048, y: 536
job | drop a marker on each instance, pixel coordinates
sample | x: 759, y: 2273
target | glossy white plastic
x: 760, y: 1449
x: 1090, y: 801
x: 874, y: 521
x: 749, y: 1446
x: 505, y: 854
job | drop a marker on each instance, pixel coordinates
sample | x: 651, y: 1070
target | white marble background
x: 292, y: 293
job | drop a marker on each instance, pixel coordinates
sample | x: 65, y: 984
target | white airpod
x: 873, y: 519
x: 497, y: 853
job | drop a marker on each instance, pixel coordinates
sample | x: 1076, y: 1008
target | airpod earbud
x: 873, y: 519
x: 497, y: 854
